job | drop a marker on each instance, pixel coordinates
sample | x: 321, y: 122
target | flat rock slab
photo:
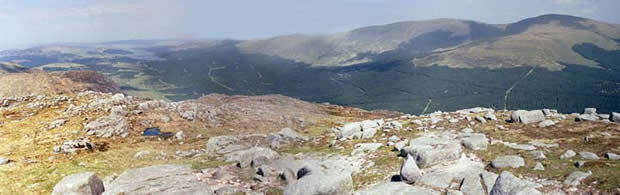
x: 512, y: 161
x: 588, y: 156
x: 507, y: 183
x: 86, y: 183
x: 159, y: 179
x: 576, y: 177
x: 397, y: 188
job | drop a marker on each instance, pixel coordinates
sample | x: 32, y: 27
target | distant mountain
x: 555, y: 61
x: 544, y: 41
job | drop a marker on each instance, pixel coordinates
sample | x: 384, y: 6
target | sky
x: 25, y: 23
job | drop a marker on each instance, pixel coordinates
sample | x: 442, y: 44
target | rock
x: 165, y: 119
x: 615, y: 117
x: 533, y: 116
x: 223, y: 144
x: 512, y: 161
x: 588, y: 156
x: 538, y: 155
x: 85, y: 183
x: 612, y: 156
x: 488, y: 178
x: 476, y: 110
x: 587, y: 117
x: 519, y: 146
x: 188, y: 115
x: 108, y: 126
x: 539, y: 167
x: 320, y: 181
x: 508, y: 184
x: 603, y: 116
x: 4, y: 160
x: 366, y: 147
x: 394, y: 138
x: 480, y: 119
x: 454, y: 192
x: 179, y: 135
x: 579, y: 163
x: 394, y: 125
x: 284, y: 136
x: 141, y: 154
x: 467, y: 130
x: 568, y: 154
x: 437, y: 179
x: 159, y: 179
x: 490, y: 116
x: 545, y: 123
x: 56, y: 124
x: 400, y: 145
x: 576, y: 177
x: 417, y: 122
x: 589, y: 111
x: 471, y: 185
x: 72, y: 146
x: 542, y: 144
x: 477, y: 141
x: 409, y: 171
x: 453, y: 120
x: 356, y: 130
x: 397, y: 188
x: 429, y: 150
x: 254, y: 156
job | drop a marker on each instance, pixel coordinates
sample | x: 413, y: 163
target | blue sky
x: 30, y: 22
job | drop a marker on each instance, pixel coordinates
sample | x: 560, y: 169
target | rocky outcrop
x: 108, y: 126
x: 86, y: 183
x: 358, y: 130
x: 512, y: 161
x: 429, y: 150
x: 527, y: 117
x: 576, y: 177
x: 160, y: 179
x: 508, y: 184
x: 317, y: 180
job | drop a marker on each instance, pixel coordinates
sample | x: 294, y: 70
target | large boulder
x: 476, y: 141
x: 615, y: 117
x: 527, y: 117
x: 316, y: 180
x: 223, y: 145
x: 576, y: 177
x: 508, y: 184
x: 430, y: 149
x: 357, y: 130
x: 512, y: 161
x: 397, y: 188
x: 159, y: 179
x: 591, y: 111
x: 86, y: 183
x: 409, y: 171
x: 108, y: 126
x: 254, y: 156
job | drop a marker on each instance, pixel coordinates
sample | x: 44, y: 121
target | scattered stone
x: 471, y: 185
x: 519, y: 146
x: 587, y: 117
x: 72, y: 146
x: 409, y: 171
x: 141, y: 154
x: 480, y: 119
x: 165, y: 119
x: 576, y: 177
x: 589, y: 111
x: 397, y: 188
x: 159, y: 179
x: 359, y: 130
x: 188, y: 115
x: 512, y: 161
x: 615, y: 117
x: 538, y: 155
x: 579, y: 163
x: 394, y: 138
x: 366, y: 147
x: 223, y: 144
x: 56, y: 124
x: 588, y: 156
x: 108, y: 126
x: 477, y: 141
x: 490, y: 116
x: 507, y: 184
x: 612, y: 156
x: 417, y: 122
x: 545, y: 123
x: 4, y: 160
x: 467, y: 130
x: 254, y: 156
x: 568, y: 154
x: 539, y: 143
x: 80, y: 183
x: 539, y: 167
x: 179, y: 135
x: 488, y: 178
x: 453, y: 120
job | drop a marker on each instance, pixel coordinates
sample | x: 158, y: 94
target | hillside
x: 544, y: 41
x: 222, y: 144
